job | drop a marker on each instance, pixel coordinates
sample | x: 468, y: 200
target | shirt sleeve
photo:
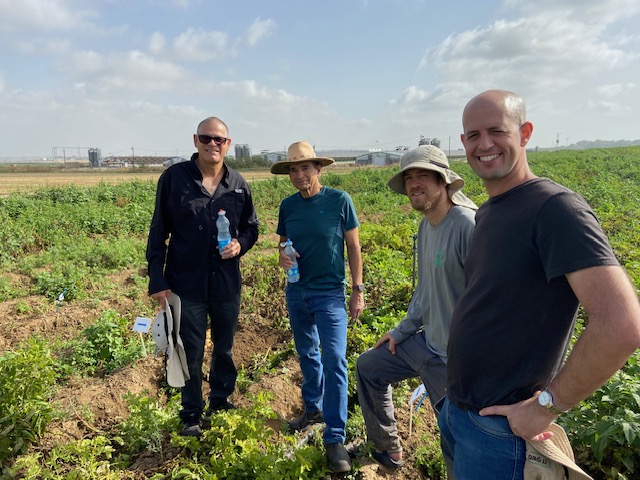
x: 412, y: 321
x: 157, y: 240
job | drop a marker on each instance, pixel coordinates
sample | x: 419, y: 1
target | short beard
x: 429, y: 204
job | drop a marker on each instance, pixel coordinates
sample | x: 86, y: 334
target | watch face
x: 545, y: 398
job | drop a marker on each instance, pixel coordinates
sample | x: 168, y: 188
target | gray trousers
x: 378, y: 368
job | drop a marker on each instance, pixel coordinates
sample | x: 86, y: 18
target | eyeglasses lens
x: 206, y: 139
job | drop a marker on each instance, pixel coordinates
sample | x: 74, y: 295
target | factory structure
x: 358, y: 157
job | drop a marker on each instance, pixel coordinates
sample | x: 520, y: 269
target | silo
x: 243, y: 152
x: 95, y: 157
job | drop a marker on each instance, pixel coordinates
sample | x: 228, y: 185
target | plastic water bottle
x: 222, y: 223
x: 293, y: 274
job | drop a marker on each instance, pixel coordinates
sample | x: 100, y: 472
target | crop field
x: 82, y: 396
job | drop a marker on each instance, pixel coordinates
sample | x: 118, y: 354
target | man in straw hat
x: 320, y: 221
x: 538, y: 252
x: 417, y: 347
x: 206, y: 279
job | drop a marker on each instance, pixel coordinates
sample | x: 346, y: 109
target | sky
x: 137, y: 76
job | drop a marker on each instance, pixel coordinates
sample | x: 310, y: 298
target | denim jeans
x: 193, y: 331
x: 320, y: 318
x: 378, y: 368
x: 482, y: 448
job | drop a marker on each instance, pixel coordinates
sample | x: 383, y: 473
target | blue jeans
x: 222, y: 372
x: 482, y: 448
x: 320, y: 318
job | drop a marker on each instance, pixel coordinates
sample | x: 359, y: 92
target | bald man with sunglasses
x: 183, y: 258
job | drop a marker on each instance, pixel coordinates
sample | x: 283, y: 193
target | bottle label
x: 223, y: 243
x: 292, y: 271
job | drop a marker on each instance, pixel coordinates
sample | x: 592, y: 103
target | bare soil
x: 93, y: 406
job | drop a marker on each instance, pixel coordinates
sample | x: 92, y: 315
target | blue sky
x: 117, y: 75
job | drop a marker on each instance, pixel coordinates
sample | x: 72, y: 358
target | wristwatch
x: 359, y: 288
x: 545, y: 399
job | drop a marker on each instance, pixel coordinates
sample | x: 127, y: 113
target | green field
x: 65, y: 363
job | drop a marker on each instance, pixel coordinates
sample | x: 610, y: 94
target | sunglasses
x: 206, y: 139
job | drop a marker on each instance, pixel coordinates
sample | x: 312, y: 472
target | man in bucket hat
x: 320, y: 221
x: 417, y: 347
x: 538, y: 252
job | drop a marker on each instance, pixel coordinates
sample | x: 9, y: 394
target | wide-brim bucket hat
x: 552, y: 459
x: 299, y: 152
x: 166, y: 335
x: 430, y: 157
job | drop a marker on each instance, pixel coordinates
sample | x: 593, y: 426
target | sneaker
x: 304, y: 420
x: 191, y: 429
x: 338, y: 457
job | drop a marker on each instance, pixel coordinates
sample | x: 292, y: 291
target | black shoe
x: 219, y: 406
x: 385, y: 459
x: 338, y: 457
x: 191, y: 429
x: 304, y: 420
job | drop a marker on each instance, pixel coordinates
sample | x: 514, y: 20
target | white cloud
x: 157, y: 43
x: 613, y: 90
x: 38, y: 15
x: 42, y: 45
x: 597, y: 12
x: 607, y: 108
x: 198, y: 44
x: 201, y: 45
x: 128, y: 71
x: 259, y: 29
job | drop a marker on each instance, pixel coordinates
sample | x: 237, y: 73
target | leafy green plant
x: 103, y: 347
x: 605, y: 428
x: 429, y: 459
x: 27, y: 379
x: 240, y: 445
x: 145, y: 427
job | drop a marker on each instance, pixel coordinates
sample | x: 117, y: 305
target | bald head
x: 511, y: 103
x: 214, y: 120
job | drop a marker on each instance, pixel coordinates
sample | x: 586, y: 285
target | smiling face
x: 211, y: 154
x: 495, y: 138
x: 305, y: 176
x: 425, y: 189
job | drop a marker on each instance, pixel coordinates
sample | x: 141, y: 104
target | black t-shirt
x: 513, y: 322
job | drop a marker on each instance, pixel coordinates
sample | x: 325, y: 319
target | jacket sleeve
x: 157, y: 240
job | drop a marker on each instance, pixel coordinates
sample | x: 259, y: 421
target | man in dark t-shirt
x: 537, y: 253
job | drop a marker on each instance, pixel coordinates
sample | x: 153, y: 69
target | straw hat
x: 299, y: 152
x: 166, y: 334
x: 552, y: 459
x: 430, y: 157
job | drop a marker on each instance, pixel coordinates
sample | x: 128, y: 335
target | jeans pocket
x: 494, y: 425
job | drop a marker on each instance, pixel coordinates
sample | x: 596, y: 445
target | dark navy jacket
x: 185, y: 214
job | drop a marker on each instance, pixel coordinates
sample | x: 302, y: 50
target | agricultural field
x: 82, y: 396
